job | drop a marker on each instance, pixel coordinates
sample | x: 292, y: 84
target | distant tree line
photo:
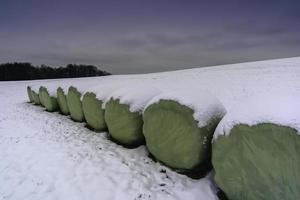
x: 26, y: 71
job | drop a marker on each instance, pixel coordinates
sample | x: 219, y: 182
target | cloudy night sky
x: 136, y: 36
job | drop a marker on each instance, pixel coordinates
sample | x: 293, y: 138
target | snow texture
x: 136, y: 96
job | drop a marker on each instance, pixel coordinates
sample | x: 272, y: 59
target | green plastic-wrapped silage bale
x: 50, y: 102
x: 29, y: 93
x: 123, y: 113
x: 179, y: 126
x: 42, y: 95
x: 36, y: 98
x: 93, y: 112
x: 256, y: 151
x: 75, y: 104
x: 62, y: 101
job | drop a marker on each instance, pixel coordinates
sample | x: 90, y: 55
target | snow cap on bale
x: 179, y: 125
x: 123, y: 113
x: 256, y: 149
x: 283, y: 109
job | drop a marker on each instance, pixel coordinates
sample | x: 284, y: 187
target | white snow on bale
x: 135, y: 96
x: 282, y: 109
x: 205, y: 106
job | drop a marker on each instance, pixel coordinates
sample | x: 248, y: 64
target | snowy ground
x: 47, y: 156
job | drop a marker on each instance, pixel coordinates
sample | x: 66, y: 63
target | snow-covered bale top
x: 206, y: 107
x: 135, y: 96
x: 282, y: 109
x: 231, y: 84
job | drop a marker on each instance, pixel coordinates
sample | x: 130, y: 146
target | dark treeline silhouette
x: 26, y: 71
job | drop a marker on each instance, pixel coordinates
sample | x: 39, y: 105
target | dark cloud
x: 147, y: 36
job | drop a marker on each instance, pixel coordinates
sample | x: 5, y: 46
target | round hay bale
x: 178, y: 128
x: 256, y: 150
x: 123, y: 113
x: 50, y: 102
x: 62, y: 101
x: 36, y: 98
x: 42, y: 95
x: 124, y: 126
x: 29, y: 93
x: 75, y: 105
x: 258, y: 162
x: 93, y: 112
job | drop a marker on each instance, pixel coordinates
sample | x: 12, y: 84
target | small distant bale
x: 29, y: 93
x: 75, y: 104
x: 93, y: 112
x: 62, y: 101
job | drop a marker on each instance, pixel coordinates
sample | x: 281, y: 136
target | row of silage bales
x: 95, y: 98
x: 75, y: 94
x: 46, y: 99
x: 256, y: 149
x: 93, y: 104
x: 118, y: 105
x: 178, y: 128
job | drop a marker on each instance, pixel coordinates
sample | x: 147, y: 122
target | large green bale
x: 176, y: 136
x: 256, y: 149
x: 75, y: 105
x: 62, y: 101
x: 29, y: 93
x: 258, y: 162
x: 124, y: 126
x: 93, y: 112
x: 36, y: 98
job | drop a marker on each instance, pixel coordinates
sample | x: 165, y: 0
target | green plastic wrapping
x: 29, y: 93
x: 258, y: 162
x: 36, y: 98
x: 42, y: 95
x: 50, y: 102
x: 93, y: 112
x: 125, y: 127
x: 75, y: 105
x: 174, y: 138
x: 62, y: 101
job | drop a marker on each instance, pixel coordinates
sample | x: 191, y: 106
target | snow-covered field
x: 48, y: 156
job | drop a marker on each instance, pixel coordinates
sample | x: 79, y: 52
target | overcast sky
x: 136, y: 36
